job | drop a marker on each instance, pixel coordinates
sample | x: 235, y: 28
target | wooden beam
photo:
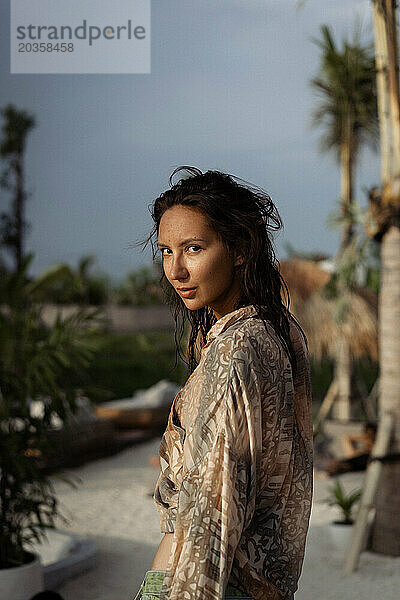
x: 366, y: 513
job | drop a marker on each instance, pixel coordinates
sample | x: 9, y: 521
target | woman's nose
x: 178, y: 268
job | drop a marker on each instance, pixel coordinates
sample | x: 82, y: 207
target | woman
x: 235, y: 488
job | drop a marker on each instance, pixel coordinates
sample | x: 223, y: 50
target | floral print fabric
x: 236, y: 459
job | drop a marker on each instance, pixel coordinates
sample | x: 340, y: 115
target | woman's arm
x: 163, y: 553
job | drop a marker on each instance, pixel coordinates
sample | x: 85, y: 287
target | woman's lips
x: 187, y: 293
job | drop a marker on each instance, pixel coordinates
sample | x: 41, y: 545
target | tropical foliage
x: 80, y: 286
x: 345, y: 502
x: 141, y: 287
x: 347, y: 110
x: 37, y: 362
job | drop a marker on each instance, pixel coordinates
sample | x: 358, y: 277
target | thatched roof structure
x: 305, y: 280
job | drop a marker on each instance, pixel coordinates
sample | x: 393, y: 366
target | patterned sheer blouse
x: 236, y: 459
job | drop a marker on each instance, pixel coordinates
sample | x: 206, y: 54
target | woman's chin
x: 193, y: 303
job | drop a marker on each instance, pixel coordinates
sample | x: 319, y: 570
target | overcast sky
x: 228, y: 90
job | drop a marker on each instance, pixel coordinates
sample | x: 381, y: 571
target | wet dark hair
x: 243, y: 216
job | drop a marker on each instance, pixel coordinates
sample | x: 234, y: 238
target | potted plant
x: 340, y: 529
x: 37, y: 362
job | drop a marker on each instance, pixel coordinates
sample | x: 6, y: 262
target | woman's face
x: 194, y: 257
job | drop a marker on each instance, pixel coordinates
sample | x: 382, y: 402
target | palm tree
x: 385, y: 228
x: 385, y: 207
x: 15, y: 129
x: 348, y: 112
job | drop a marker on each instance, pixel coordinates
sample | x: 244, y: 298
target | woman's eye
x: 193, y: 246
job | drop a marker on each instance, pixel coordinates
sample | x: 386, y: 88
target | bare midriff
x: 162, y: 555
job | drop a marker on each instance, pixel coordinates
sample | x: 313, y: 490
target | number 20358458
x: 45, y: 47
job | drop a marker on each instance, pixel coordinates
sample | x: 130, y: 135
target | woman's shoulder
x: 297, y: 333
x: 252, y: 338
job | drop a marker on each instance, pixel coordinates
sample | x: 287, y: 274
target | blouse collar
x: 227, y: 320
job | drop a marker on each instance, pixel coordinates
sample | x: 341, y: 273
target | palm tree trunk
x: 381, y: 61
x: 18, y: 211
x: 393, y: 77
x: 386, y: 530
x: 346, y: 187
x: 385, y: 536
x: 389, y: 320
x: 342, y: 408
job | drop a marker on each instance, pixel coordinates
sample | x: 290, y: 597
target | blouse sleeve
x: 167, y: 486
x: 166, y: 510
x: 216, y: 498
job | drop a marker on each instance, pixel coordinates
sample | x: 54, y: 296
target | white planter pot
x: 21, y: 583
x: 340, y: 534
